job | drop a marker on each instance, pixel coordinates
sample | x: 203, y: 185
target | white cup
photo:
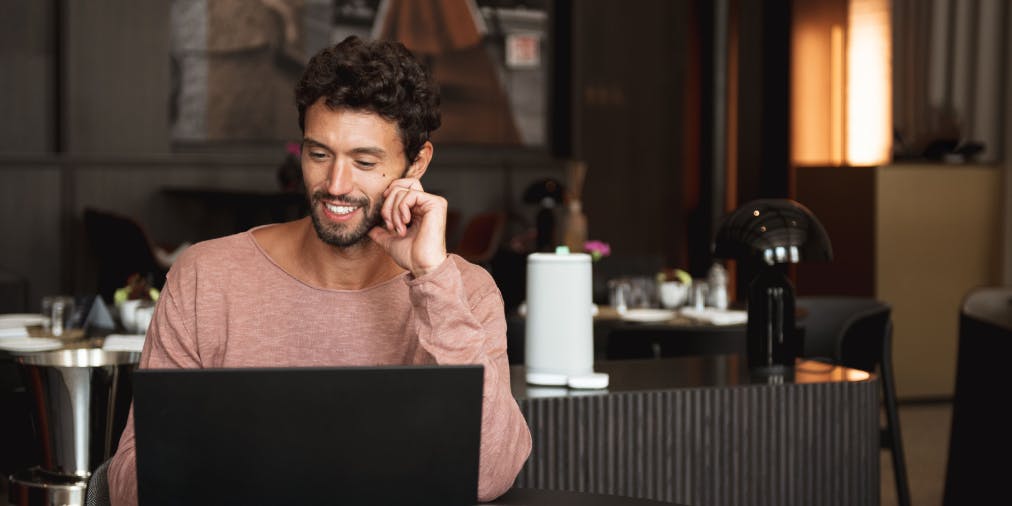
x: 142, y: 318
x: 128, y: 314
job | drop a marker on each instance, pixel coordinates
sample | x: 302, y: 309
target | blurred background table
x: 616, y: 338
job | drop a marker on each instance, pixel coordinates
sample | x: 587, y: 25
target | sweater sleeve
x: 459, y: 326
x: 168, y: 345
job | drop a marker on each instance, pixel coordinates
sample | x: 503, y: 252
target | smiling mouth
x: 340, y: 210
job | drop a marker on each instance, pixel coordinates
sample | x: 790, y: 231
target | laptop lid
x: 349, y: 435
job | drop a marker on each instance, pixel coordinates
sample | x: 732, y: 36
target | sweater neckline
x: 277, y: 267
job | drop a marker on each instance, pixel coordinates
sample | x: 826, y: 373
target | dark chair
x: 481, y: 237
x: 980, y: 442
x: 98, y: 487
x: 856, y: 332
x: 121, y: 248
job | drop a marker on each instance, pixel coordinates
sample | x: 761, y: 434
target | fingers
x: 407, y: 183
x: 400, y: 197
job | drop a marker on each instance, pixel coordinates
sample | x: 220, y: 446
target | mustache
x: 340, y: 199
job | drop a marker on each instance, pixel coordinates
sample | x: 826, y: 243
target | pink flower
x: 597, y: 249
x: 294, y: 149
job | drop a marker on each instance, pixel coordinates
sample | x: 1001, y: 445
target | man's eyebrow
x: 372, y: 151
x: 376, y: 151
x: 306, y: 141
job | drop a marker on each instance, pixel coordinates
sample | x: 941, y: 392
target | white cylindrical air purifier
x: 559, y: 347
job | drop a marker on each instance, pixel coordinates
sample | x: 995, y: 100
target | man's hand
x: 422, y: 247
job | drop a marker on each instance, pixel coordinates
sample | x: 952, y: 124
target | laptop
x: 347, y: 435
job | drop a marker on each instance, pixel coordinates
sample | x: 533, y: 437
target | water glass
x: 58, y: 314
x: 642, y: 292
x: 618, y: 294
x: 700, y: 291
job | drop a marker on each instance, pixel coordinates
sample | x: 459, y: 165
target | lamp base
x: 771, y: 374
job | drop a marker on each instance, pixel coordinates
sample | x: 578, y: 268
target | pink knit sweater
x: 226, y: 303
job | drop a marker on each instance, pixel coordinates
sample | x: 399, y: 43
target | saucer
x: 29, y: 344
x: 647, y: 315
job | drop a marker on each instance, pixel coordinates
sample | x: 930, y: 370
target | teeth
x: 340, y: 209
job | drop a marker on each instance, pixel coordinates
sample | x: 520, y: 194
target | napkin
x: 13, y: 332
x: 716, y: 316
x: 16, y: 325
x: 123, y: 342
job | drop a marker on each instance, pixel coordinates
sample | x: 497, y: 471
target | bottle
x: 716, y: 278
x: 575, y: 232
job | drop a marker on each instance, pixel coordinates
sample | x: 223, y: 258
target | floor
x: 925, y: 429
x: 925, y: 437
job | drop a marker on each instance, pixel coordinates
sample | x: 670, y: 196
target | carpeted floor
x: 925, y: 429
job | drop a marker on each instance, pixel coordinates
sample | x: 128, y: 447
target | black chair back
x: 121, y: 248
x: 979, y: 442
x: 98, y: 487
x: 856, y: 332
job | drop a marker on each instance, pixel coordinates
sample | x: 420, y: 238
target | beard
x: 343, y: 235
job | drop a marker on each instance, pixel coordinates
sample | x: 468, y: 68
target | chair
x: 98, y: 487
x: 856, y: 332
x: 980, y: 441
x: 481, y: 237
x: 121, y: 248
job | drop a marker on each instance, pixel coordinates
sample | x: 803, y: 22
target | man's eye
x: 317, y: 155
x: 366, y: 165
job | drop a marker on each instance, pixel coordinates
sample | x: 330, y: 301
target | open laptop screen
x: 348, y: 435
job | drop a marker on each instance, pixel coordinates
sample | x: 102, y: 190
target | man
x: 364, y: 280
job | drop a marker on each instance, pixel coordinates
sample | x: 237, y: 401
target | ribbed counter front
x: 698, y: 431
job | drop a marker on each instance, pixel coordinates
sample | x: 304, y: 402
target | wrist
x: 429, y: 267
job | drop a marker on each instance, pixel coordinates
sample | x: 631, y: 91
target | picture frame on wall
x: 235, y: 65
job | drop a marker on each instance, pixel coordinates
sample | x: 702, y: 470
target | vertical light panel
x: 812, y: 85
x: 869, y: 83
x: 841, y: 82
x: 836, y: 99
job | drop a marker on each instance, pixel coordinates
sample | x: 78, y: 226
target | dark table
x: 699, y: 430
x: 534, y: 497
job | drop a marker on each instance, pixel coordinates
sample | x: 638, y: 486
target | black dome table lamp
x: 771, y: 233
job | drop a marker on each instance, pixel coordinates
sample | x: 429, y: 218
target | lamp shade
x: 777, y: 231
x: 542, y: 189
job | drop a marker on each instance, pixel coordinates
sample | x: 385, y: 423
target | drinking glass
x: 58, y: 314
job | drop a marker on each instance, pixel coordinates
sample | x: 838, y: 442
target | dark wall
x: 85, y: 98
x: 628, y: 72
x: 624, y: 103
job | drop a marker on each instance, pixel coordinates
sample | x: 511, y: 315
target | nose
x: 339, y: 179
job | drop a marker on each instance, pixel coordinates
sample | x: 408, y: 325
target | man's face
x: 348, y: 160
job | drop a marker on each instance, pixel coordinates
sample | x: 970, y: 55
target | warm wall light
x: 841, y: 82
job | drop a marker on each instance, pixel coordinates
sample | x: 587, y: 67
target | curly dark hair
x: 381, y: 77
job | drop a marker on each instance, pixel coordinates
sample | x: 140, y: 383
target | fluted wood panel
x: 30, y: 228
x: 791, y: 444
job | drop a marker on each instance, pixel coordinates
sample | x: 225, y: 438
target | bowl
x: 673, y: 294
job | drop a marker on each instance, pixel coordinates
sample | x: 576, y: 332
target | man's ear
x: 421, y: 163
